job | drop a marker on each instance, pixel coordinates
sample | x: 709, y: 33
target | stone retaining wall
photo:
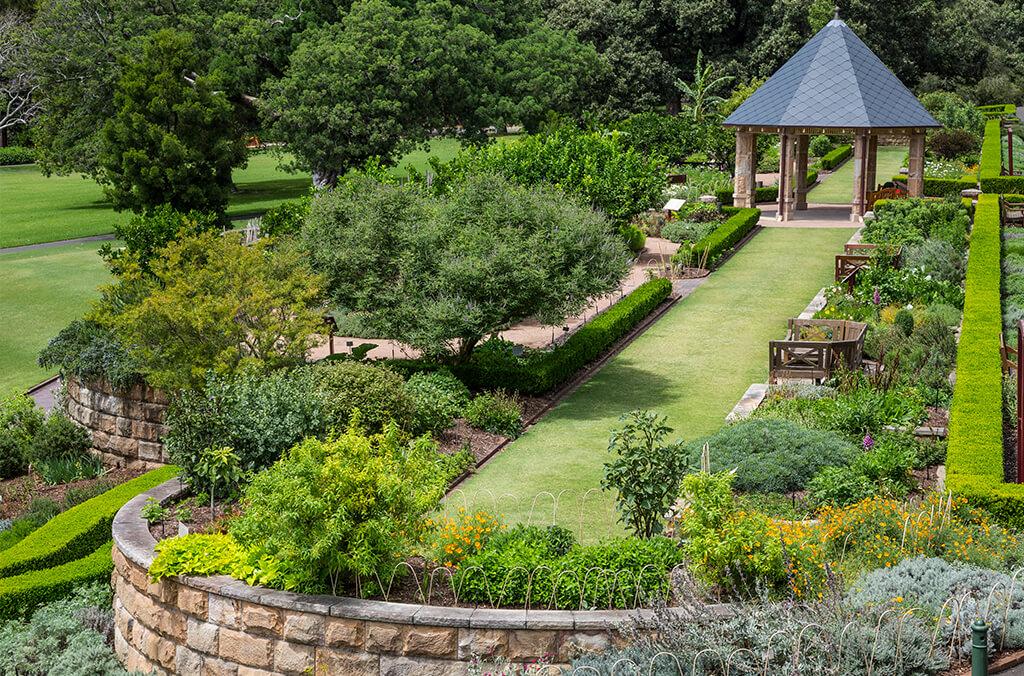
x: 218, y: 625
x: 126, y: 425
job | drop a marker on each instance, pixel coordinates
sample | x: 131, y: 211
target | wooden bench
x: 883, y: 194
x: 1012, y: 212
x: 815, y: 348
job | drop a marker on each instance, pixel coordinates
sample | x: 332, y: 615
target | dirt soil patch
x: 17, y: 493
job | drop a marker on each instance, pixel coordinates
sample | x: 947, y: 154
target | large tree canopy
x: 441, y: 274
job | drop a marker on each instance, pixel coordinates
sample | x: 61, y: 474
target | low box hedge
x: 766, y: 193
x: 997, y: 110
x: 541, y: 371
x: 12, y: 155
x: 974, y: 461
x: 992, y: 179
x: 78, y: 531
x: 21, y: 594
x: 726, y: 236
x: 836, y: 157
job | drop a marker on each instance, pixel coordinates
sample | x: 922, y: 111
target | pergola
x: 834, y: 85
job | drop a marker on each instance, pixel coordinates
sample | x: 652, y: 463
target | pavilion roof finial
x: 836, y: 17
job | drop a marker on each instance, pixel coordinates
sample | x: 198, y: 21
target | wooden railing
x: 815, y: 348
x: 1008, y: 355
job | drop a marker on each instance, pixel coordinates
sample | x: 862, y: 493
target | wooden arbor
x: 793, y: 164
x: 833, y: 85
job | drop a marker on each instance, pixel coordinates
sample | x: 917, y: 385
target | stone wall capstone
x: 127, y: 425
x: 218, y: 625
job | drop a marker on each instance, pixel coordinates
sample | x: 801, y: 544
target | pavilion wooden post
x: 915, y: 175
x: 872, y: 171
x: 800, y: 171
x: 860, y: 152
x: 745, y: 181
x: 785, y: 176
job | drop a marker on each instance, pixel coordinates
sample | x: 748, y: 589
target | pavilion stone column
x: 860, y: 152
x: 800, y: 171
x: 915, y: 175
x: 745, y: 181
x: 872, y: 179
x: 785, y: 176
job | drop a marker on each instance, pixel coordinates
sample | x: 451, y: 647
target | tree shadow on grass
x: 616, y: 389
x: 259, y: 191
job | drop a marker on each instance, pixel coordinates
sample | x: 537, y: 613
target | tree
x: 212, y: 303
x: 442, y: 273
x: 172, y: 139
x: 19, y: 102
x: 700, y: 94
x: 645, y: 473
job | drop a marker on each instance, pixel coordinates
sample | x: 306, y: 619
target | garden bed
x: 16, y: 494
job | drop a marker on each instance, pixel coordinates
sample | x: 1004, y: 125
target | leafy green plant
x: 376, y: 392
x: 90, y: 351
x: 11, y: 155
x: 687, y: 231
x: 772, y: 456
x: 154, y: 513
x: 65, y: 469
x: 495, y: 412
x: 343, y: 511
x: 645, y: 471
x: 220, y: 465
x: 839, y: 486
x: 911, y: 221
x: 199, y: 554
x: 60, y: 439
x: 820, y: 146
x: 285, y: 218
x: 438, y: 397
x: 904, y: 321
x: 144, y: 235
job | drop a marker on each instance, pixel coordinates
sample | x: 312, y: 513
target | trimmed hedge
x: 723, y: 238
x: 78, y: 531
x: 992, y: 163
x: 21, y: 594
x: 11, y: 155
x: 768, y: 193
x: 940, y: 187
x: 542, y: 371
x: 833, y: 159
x: 974, y: 460
x: 997, y: 110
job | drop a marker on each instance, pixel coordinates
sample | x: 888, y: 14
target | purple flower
x: 877, y: 298
x: 868, y: 442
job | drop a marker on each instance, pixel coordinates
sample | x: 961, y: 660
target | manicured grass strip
x: 837, y: 188
x: 692, y: 365
x: 78, y: 531
x: 21, y: 594
x: 974, y: 460
x: 42, y: 291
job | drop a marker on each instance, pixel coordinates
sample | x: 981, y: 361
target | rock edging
x: 219, y: 625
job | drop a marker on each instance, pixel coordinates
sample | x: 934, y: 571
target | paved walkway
x: 60, y: 242
x: 692, y: 365
x: 815, y: 216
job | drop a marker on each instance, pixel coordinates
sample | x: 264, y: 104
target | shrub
x: 911, y: 221
x: 542, y: 568
x: 772, y: 456
x: 13, y: 450
x: 78, y: 531
x: 258, y: 416
x: 59, y: 439
x: 936, y: 258
x: 144, y: 235
x: 634, y: 238
x: 68, y: 637
x: 342, y: 511
x: 23, y: 592
x: 834, y: 158
x: 11, y: 155
x: 378, y: 393
x: 687, y: 231
x: 904, y: 321
x: 953, y: 112
x: 820, y: 146
x: 438, y: 398
x: 90, y: 351
x: 645, y: 472
x: 285, y: 218
x: 20, y: 421
x: 450, y: 540
x: 497, y: 413
x: 673, y: 137
x: 952, y: 144
x: 839, y: 487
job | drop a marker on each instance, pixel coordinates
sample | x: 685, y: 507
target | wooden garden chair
x: 1013, y: 212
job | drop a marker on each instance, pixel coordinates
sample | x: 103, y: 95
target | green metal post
x: 979, y: 648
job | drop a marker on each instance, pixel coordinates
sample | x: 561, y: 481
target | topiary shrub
x: 378, y: 393
x: 904, y: 321
x: 820, y: 146
x: 772, y: 456
x: 439, y: 398
x: 497, y: 413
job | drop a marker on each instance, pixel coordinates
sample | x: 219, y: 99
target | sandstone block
x: 261, y: 620
x: 532, y: 645
x: 421, y: 666
x: 485, y: 642
x: 188, y: 662
x: 223, y: 611
x: 305, y: 628
x: 330, y: 662
x: 344, y: 633
x: 243, y: 649
x: 294, y: 658
x: 192, y: 601
x: 432, y: 641
x: 217, y: 667
x: 384, y: 638
x: 202, y: 636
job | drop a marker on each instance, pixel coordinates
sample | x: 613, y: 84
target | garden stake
x: 979, y: 648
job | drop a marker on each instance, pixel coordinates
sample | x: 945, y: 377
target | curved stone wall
x: 126, y: 424
x: 218, y: 625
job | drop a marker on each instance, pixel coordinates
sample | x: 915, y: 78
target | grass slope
x: 838, y: 187
x: 41, y: 292
x: 37, y: 209
x: 693, y: 365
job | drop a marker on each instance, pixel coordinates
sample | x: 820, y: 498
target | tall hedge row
x: 77, y: 532
x: 974, y: 462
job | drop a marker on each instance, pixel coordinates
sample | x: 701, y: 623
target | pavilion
x: 834, y: 85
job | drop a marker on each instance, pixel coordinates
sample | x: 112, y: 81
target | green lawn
x: 36, y: 209
x: 838, y: 187
x: 43, y: 290
x: 693, y: 365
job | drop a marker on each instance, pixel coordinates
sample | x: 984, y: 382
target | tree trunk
x: 323, y: 178
x: 673, y: 105
x: 465, y: 350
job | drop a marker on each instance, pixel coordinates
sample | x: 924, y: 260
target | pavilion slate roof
x: 835, y: 80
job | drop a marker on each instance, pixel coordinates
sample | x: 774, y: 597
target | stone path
x: 60, y: 242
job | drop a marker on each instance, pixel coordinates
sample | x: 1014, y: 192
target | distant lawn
x: 36, y: 209
x: 692, y: 365
x: 42, y: 291
x: 837, y: 188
